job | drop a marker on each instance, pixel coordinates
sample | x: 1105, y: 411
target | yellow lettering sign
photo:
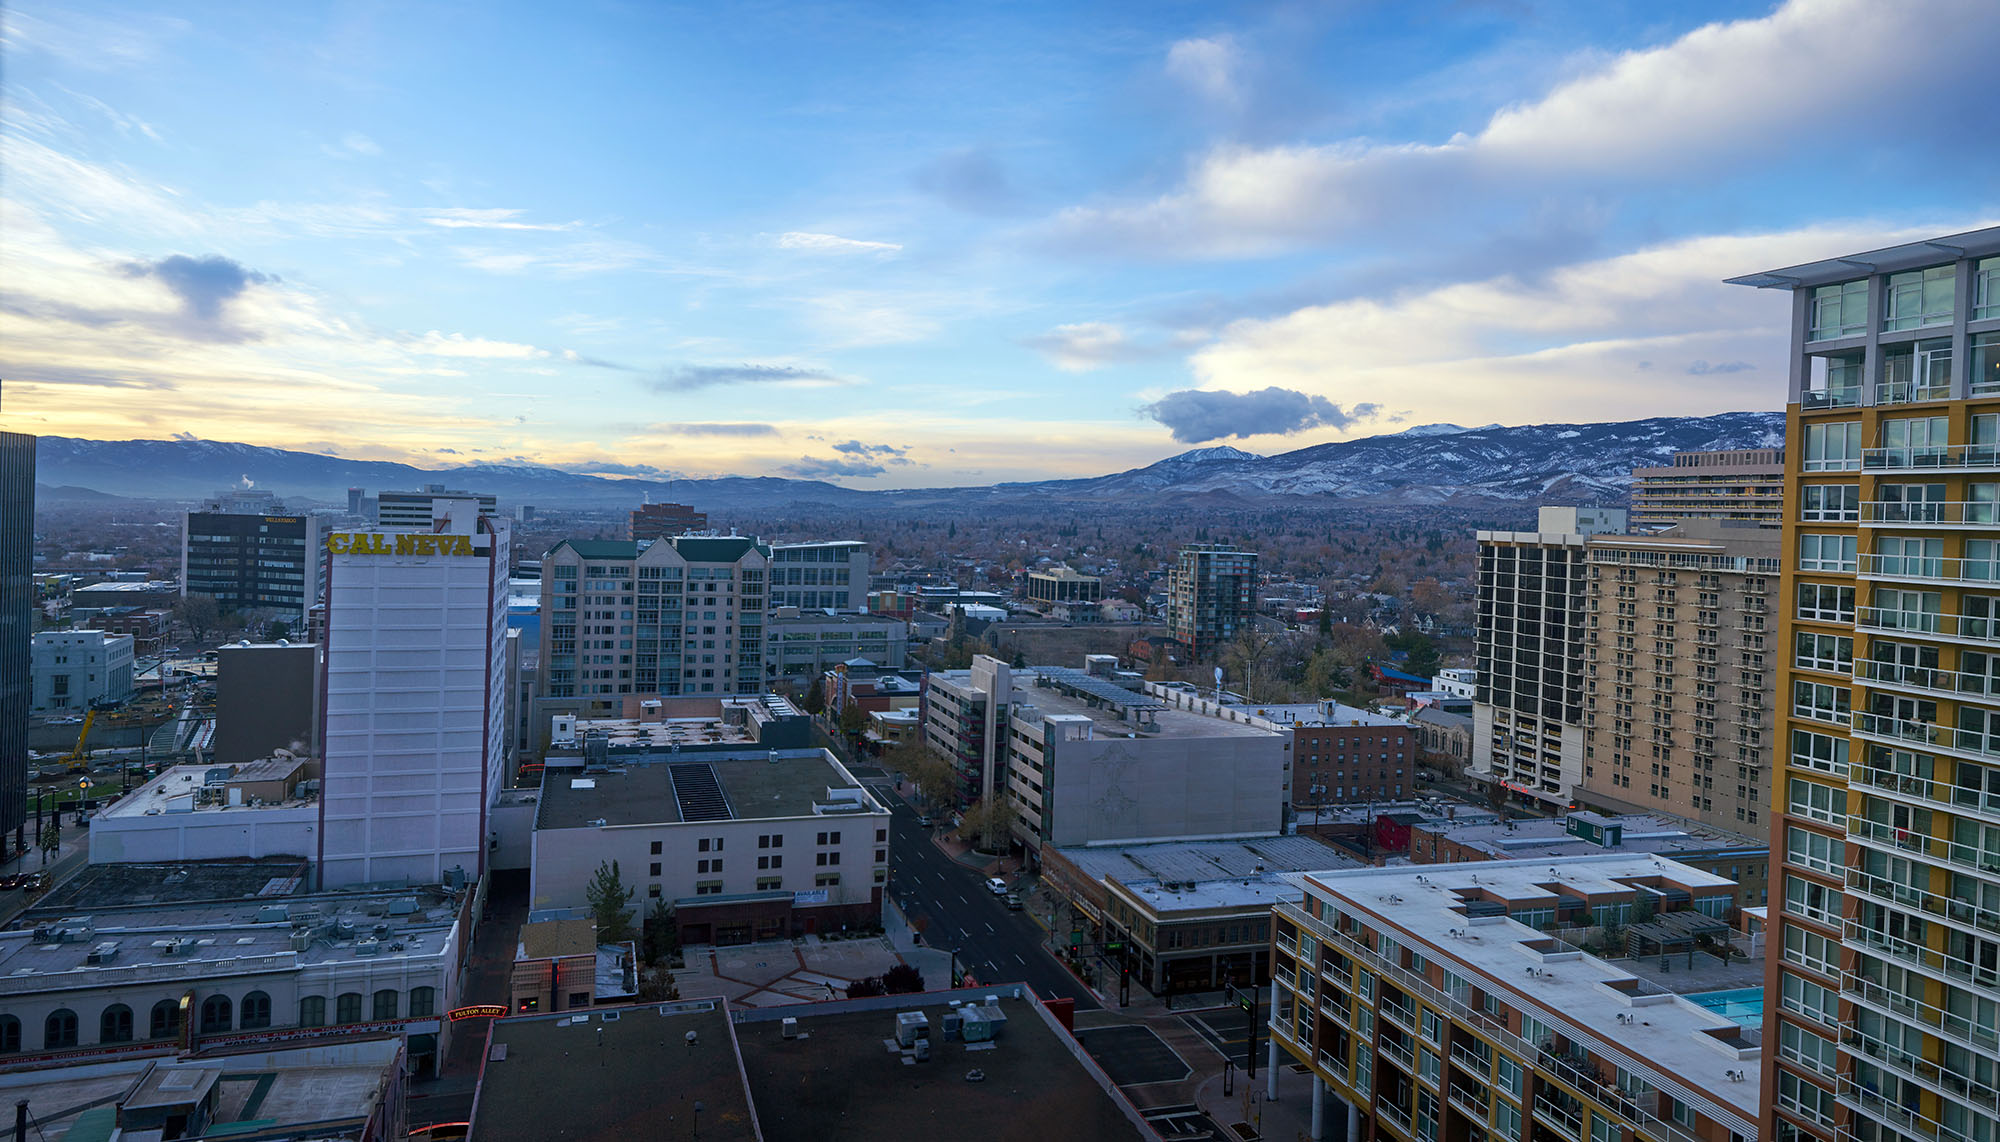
x: 406, y: 543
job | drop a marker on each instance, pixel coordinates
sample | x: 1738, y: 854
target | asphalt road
x: 957, y: 910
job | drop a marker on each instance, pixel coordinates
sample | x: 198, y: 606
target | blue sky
x: 906, y: 245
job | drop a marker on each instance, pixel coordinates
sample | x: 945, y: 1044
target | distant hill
x: 1432, y: 464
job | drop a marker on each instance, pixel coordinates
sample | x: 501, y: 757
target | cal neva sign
x: 402, y: 543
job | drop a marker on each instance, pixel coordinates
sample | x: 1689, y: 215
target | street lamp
x: 698, y: 1108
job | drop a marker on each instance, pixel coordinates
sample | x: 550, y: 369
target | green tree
x: 853, y: 719
x: 990, y: 820
x: 610, y: 904
x: 658, y: 935
x: 902, y: 980
x: 815, y: 700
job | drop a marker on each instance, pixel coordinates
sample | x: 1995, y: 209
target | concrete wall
x: 266, y: 698
x: 225, y: 834
x: 1115, y: 789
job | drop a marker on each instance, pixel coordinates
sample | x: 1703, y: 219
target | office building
x: 1433, y: 1002
x: 683, y: 615
x: 418, y: 509
x: 1679, y: 674
x: 657, y: 521
x: 1062, y: 584
x: 78, y: 669
x: 1086, y: 761
x: 743, y: 844
x: 799, y: 645
x: 1527, y: 718
x: 413, y: 722
x: 1744, y: 485
x: 1334, y: 753
x: 266, y: 699
x: 17, y: 626
x: 1211, y: 596
x: 1887, y: 780
x: 234, y: 973
x: 249, y: 554
x: 829, y: 576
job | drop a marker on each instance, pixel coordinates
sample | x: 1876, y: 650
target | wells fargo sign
x: 401, y: 543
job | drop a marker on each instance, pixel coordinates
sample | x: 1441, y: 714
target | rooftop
x: 192, y: 940
x: 1173, y: 876
x: 629, y: 1074
x: 1063, y: 691
x: 201, y: 789
x: 841, y: 1082
x: 723, y: 786
x: 548, y: 939
x: 1539, y: 837
x: 667, y: 722
x: 105, y: 887
x: 1422, y: 907
x: 1889, y: 259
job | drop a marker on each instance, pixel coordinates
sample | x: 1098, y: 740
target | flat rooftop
x: 1317, y: 714
x: 842, y: 1083
x: 1579, y: 992
x: 225, y: 938
x: 184, y: 789
x: 627, y: 1074
x: 106, y: 887
x: 1207, y: 874
x: 727, y: 786
x: 1158, y: 721
x: 1538, y: 837
x: 668, y: 722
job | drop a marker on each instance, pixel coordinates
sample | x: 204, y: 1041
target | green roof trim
x: 601, y: 548
x: 716, y: 549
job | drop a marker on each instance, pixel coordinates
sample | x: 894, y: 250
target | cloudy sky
x: 919, y: 244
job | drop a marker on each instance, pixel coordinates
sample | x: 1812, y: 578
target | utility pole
x: 1247, y: 1000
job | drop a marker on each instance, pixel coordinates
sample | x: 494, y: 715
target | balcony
x: 1892, y: 839
x: 1896, y: 731
x: 1927, y: 624
x: 1963, y: 913
x: 1845, y: 396
x: 1930, y: 569
x: 1937, y: 1021
x: 1944, y: 513
x: 1933, y: 458
x: 1949, y: 683
x: 1910, y: 392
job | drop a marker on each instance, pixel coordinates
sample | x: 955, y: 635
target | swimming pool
x: 1744, y: 1005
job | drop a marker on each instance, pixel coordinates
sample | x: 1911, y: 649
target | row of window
x: 1914, y: 299
x: 62, y: 1028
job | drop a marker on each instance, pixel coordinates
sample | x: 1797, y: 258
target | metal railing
x: 1883, y: 620
x: 1926, y: 733
x: 1947, y: 682
x: 1949, y: 513
x: 1980, y: 457
x: 1930, y: 569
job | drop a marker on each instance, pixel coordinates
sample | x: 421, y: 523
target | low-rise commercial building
x: 1432, y: 1003
x: 76, y: 669
x: 742, y: 844
x: 252, y: 810
x: 1049, y: 586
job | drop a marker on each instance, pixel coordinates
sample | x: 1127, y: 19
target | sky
x: 925, y: 244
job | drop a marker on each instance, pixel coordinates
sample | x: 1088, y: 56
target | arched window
x: 386, y: 1002
x: 59, y: 1031
x: 256, y: 1013
x: 115, y: 1025
x: 423, y: 1001
x: 10, y: 1035
x: 166, y: 1020
x: 312, y: 1011
x: 215, y: 1012
x: 347, y: 1008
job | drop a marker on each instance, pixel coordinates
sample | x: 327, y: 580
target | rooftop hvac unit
x: 562, y: 730
x: 788, y: 1027
x: 368, y: 947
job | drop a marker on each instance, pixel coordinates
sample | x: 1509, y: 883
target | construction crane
x: 79, y: 758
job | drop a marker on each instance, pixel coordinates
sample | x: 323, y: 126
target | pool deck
x: 1708, y: 973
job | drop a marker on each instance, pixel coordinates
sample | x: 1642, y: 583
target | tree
x: 902, y: 980
x: 990, y: 819
x: 279, y: 630
x: 853, y: 719
x: 199, y: 613
x: 815, y: 700
x: 609, y: 900
x: 865, y: 988
x: 657, y: 934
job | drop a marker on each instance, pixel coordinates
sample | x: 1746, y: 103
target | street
x: 954, y: 908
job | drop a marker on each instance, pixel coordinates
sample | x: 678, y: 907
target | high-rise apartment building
x: 415, y: 509
x: 683, y: 615
x: 657, y: 521
x: 1745, y: 485
x: 413, y: 724
x: 1436, y: 1002
x: 250, y: 554
x: 1677, y: 674
x: 827, y: 576
x: 1211, y: 595
x: 1885, y: 989
x: 17, y: 619
x: 1527, y: 718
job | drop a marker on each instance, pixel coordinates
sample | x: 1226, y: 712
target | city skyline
x: 957, y: 248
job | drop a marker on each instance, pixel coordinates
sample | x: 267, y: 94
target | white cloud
x: 1580, y: 343
x: 1810, y: 68
x: 436, y: 344
x: 492, y: 218
x: 352, y: 145
x: 832, y: 244
x: 1208, y: 67
x: 1086, y: 345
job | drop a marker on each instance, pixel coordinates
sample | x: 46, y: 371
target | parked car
x: 1013, y: 901
x: 996, y: 886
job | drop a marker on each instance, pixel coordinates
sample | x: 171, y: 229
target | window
x: 825, y: 859
x: 770, y: 883
x: 10, y: 1035
x: 1828, y: 652
x: 115, y: 1025
x: 1986, y: 289
x: 1815, y: 851
x: 1915, y: 441
x: 347, y: 1008
x: 386, y: 1002
x: 1834, y: 381
x: 1833, y: 447
x: 215, y: 1014
x: 312, y: 1011
x: 1823, y: 603
x: 256, y: 1012
x: 165, y: 1022
x: 1814, y: 901
x: 59, y: 1030
x: 1804, y: 1099
x: 655, y: 868
x: 1823, y: 752
x: 832, y: 838
x: 826, y: 880
x: 1827, y: 553
x: 1839, y: 311
x: 1819, y: 701
x: 1918, y: 298
x: 1829, y: 503
x: 1812, y: 950
x: 655, y: 852
x: 776, y: 860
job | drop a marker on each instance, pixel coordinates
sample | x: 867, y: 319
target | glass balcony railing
x: 1930, y: 569
x: 1848, y: 396
x: 1884, y: 620
x: 1976, y: 457
x: 1973, y: 513
x: 1951, y: 683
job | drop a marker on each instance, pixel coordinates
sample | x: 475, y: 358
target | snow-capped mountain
x: 1430, y: 464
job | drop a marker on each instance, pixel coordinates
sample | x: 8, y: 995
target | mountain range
x: 1438, y: 464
